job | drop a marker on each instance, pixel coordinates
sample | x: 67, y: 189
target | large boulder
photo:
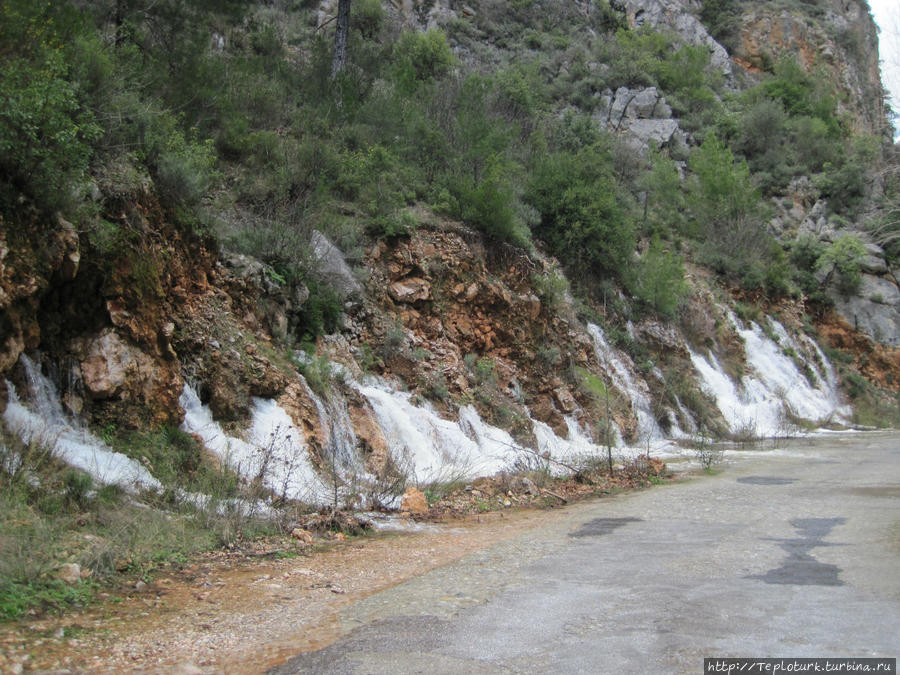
x: 332, y: 267
x: 643, y: 114
x: 874, y: 310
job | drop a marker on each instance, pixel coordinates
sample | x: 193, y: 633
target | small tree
x: 844, y: 257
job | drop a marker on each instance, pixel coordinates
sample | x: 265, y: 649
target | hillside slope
x: 507, y: 237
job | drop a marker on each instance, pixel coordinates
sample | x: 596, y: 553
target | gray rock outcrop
x: 641, y: 113
x: 678, y: 16
x: 875, y: 310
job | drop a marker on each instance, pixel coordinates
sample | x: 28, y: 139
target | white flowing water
x: 619, y: 368
x: 430, y: 448
x: 41, y: 421
x: 775, y: 390
x: 335, y: 420
x: 273, y: 450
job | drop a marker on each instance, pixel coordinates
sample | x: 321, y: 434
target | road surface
x: 792, y: 552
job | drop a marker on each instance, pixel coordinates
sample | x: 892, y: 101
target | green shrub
x: 658, y: 280
x: 421, y: 57
x: 582, y: 218
x: 45, y: 130
x: 844, y: 259
x: 321, y: 313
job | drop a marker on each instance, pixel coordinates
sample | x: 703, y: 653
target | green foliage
x: 581, y: 210
x: 844, y: 259
x: 593, y: 386
x: 658, y: 280
x: 45, y: 131
x: 723, y: 20
x: 552, y: 289
x: 844, y: 181
x: 321, y: 313
x: 664, y: 198
x: 183, y: 169
x: 726, y: 213
x: 393, y: 225
x: 17, y: 598
x: 802, y: 94
x: 481, y: 369
x: 722, y: 192
x: 683, y: 73
x: 421, y: 57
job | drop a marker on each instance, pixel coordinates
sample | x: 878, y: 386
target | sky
x: 887, y: 16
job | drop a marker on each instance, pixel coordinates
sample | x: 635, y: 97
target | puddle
x: 765, y: 480
x: 601, y: 526
x: 877, y: 491
x: 801, y: 568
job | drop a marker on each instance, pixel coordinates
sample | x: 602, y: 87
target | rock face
x: 333, y: 267
x: 456, y: 316
x: 678, y: 16
x: 875, y: 310
x: 643, y: 114
x: 34, y: 254
x: 842, y: 42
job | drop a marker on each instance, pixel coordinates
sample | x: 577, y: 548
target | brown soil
x: 244, y: 613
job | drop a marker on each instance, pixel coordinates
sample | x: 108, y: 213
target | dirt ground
x: 243, y: 613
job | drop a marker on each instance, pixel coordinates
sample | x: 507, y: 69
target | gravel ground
x: 240, y: 616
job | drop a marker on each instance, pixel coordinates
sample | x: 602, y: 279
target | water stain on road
x: 601, y: 526
x: 801, y: 568
x: 877, y: 491
x: 765, y: 480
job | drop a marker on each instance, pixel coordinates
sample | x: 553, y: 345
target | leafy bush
x: 843, y: 258
x: 658, y: 280
x: 582, y: 218
x: 45, y: 131
x: 421, y: 57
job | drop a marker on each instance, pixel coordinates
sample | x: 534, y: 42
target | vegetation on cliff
x: 231, y: 111
x: 187, y: 159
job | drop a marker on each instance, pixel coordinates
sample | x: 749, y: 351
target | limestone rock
x: 660, y: 131
x: 641, y: 113
x: 565, y: 400
x: 109, y: 364
x: 678, y: 17
x: 874, y: 265
x: 333, y: 267
x: 875, y: 310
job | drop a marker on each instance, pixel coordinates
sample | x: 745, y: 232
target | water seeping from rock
x: 619, y: 367
x: 788, y: 378
x: 272, y: 451
x: 41, y: 421
x: 430, y: 448
x: 769, y: 399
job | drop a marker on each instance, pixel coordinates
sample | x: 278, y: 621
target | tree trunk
x: 340, y: 38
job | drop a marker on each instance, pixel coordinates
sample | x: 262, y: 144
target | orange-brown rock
x: 877, y: 363
x: 370, y: 436
x: 411, y: 289
x: 414, y: 501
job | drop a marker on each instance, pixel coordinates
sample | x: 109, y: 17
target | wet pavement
x: 793, y: 552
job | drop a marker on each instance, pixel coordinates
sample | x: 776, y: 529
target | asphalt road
x: 792, y: 552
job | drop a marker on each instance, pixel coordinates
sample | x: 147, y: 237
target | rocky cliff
x: 132, y: 311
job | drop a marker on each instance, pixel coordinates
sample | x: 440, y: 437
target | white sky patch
x: 887, y: 16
